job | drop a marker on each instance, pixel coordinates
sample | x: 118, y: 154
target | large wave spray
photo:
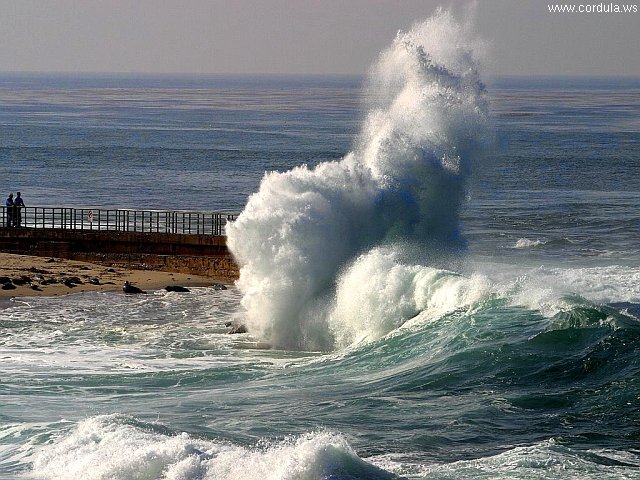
x: 304, y: 232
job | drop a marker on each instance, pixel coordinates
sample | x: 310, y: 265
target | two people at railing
x: 14, y: 210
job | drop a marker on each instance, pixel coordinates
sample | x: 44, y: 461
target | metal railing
x: 121, y: 220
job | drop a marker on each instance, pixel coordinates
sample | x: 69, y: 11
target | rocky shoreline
x: 28, y: 276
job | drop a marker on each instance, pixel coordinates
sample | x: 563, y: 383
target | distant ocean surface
x: 166, y: 142
x: 518, y: 359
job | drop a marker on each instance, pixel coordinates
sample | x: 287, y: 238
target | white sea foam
x: 545, y: 460
x: 527, y: 243
x: 118, y: 333
x: 402, y: 184
x: 378, y: 293
x: 551, y: 290
x: 119, y: 447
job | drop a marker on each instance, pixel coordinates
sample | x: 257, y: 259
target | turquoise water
x: 513, y: 356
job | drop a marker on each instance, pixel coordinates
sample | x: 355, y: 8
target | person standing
x: 9, y: 210
x: 18, y: 205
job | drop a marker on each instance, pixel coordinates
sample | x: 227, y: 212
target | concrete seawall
x: 205, y: 255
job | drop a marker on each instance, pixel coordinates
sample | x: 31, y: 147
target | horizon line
x: 286, y: 74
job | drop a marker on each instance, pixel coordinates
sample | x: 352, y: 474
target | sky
x: 299, y: 36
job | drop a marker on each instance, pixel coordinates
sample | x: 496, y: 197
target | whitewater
x: 440, y: 275
x: 399, y: 191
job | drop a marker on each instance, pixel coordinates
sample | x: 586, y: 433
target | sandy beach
x: 37, y: 276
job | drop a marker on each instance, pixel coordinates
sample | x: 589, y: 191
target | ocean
x: 441, y: 275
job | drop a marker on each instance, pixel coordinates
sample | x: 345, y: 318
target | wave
x: 555, y: 243
x: 379, y: 293
x: 551, y: 290
x: 121, y: 447
x: 478, y: 366
x: 527, y: 243
x: 544, y: 460
x: 400, y: 188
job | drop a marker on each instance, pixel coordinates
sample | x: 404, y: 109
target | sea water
x: 441, y: 275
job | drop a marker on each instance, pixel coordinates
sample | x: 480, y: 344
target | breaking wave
x: 121, y: 447
x: 312, y: 240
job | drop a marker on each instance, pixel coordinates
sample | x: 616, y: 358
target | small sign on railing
x: 90, y: 216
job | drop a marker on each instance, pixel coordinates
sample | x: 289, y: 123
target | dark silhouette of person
x: 9, y: 204
x: 18, y: 205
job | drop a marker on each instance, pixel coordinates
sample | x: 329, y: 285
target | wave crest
x: 120, y: 447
